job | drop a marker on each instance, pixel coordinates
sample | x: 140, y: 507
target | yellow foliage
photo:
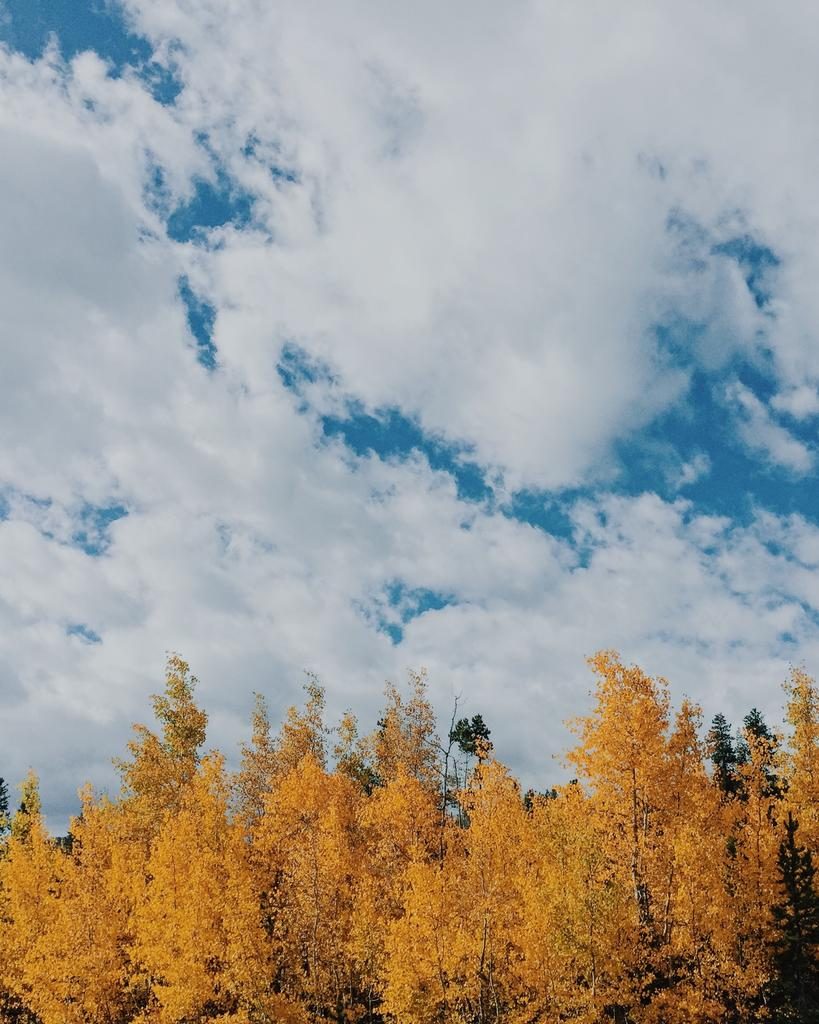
x: 293, y: 892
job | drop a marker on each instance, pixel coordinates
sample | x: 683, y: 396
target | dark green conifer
x: 795, y: 988
x: 723, y: 753
x: 4, y: 806
x: 471, y: 736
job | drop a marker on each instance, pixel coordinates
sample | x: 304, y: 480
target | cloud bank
x: 352, y: 340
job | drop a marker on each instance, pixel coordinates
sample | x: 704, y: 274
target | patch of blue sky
x: 695, y: 246
x: 393, y: 631
x: 201, y: 317
x: 677, y: 338
x: 411, y: 602
x: 297, y: 368
x: 80, y: 25
x: 756, y: 262
x: 83, y: 633
x: 546, y: 510
x: 699, y: 433
x: 263, y: 152
x: 403, y: 604
x: 213, y: 205
x: 692, y: 450
x: 388, y: 433
x: 92, y: 534
x: 162, y: 81
x: 86, y: 528
x: 737, y: 481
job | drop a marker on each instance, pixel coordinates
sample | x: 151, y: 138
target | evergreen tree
x: 471, y: 736
x: 724, y: 755
x: 759, y: 741
x: 754, y: 723
x: 795, y: 990
x: 4, y: 807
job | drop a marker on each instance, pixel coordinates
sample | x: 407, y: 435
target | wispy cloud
x: 757, y: 429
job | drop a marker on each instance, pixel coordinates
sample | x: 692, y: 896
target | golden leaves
x: 293, y: 891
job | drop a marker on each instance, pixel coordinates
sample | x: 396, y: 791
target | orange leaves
x: 297, y: 893
x: 181, y: 940
x: 162, y: 765
x: 802, y: 714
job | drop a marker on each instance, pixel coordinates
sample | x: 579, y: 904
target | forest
x: 403, y: 875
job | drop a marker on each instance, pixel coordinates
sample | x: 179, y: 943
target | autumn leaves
x: 336, y: 877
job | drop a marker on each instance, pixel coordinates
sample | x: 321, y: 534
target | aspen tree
x: 258, y: 767
x: 307, y: 841
x: 32, y: 877
x: 802, y: 714
x: 399, y: 827
x: 455, y: 949
x: 303, y: 732
x: 406, y: 735
x: 162, y: 765
x: 181, y: 939
x: 622, y: 757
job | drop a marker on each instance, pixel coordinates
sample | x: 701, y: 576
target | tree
x: 622, y: 754
x: 351, y: 756
x: 802, y: 714
x: 405, y: 736
x: 454, y: 952
x: 471, y: 736
x: 303, y: 733
x: 258, y: 767
x: 181, y: 938
x: 753, y: 837
x: 723, y: 754
x: 25, y: 876
x: 623, y: 757
x: 4, y: 807
x: 795, y: 989
x: 763, y: 744
x: 400, y: 829
x: 28, y: 813
x: 309, y: 861
x: 163, y: 764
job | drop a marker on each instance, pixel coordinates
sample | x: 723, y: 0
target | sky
x: 354, y: 339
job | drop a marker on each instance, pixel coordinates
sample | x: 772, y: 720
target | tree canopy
x: 331, y: 878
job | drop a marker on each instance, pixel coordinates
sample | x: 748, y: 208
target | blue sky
x: 325, y: 350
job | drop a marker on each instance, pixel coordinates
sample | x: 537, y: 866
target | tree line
x: 399, y: 877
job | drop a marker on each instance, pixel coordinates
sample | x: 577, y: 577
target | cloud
x: 499, y: 269
x: 376, y: 286
x: 693, y: 470
x: 801, y: 403
x: 761, y: 433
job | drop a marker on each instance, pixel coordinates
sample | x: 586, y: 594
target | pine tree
x: 4, y: 807
x: 761, y: 742
x: 723, y: 754
x: 471, y: 736
x: 795, y: 991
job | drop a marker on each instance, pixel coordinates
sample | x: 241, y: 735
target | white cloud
x: 478, y: 235
x: 490, y: 250
x: 693, y: 470
x: 802, y: 403
x: 761, y: 433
